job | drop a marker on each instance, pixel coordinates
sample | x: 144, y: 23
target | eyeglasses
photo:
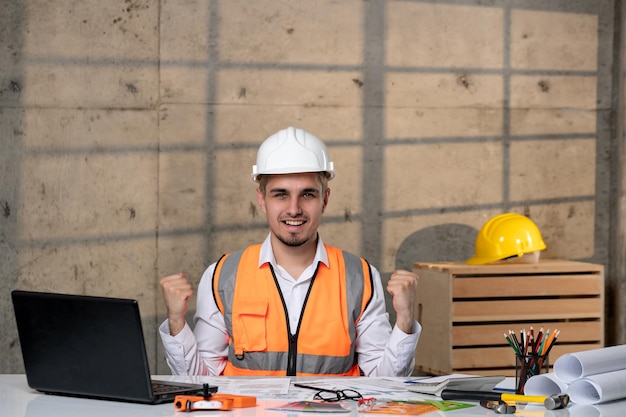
x: 332, y: 396
x: 328, y: 395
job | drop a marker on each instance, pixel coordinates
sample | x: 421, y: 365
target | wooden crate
x: 465, y: 309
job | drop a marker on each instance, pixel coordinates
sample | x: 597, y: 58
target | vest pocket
x: 249, y: 326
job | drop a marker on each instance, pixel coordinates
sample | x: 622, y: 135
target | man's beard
x: 293, y: 240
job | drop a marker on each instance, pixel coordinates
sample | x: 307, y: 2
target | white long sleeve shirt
x: 382, y: 351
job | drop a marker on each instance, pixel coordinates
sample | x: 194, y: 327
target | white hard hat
x: 291, y: 151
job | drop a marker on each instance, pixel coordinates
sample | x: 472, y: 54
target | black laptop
x: 88, y: 346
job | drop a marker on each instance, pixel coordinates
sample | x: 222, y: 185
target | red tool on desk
x: 211, y: 401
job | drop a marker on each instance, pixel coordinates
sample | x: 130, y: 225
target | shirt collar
x: 267, y: 254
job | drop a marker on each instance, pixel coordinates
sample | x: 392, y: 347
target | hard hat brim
x: 483, y: 260
x: 256, y: 175
x: 478, y: 260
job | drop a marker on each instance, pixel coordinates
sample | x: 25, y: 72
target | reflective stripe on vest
x: 256, y: 318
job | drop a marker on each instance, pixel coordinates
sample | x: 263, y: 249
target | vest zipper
x: 292, y: 354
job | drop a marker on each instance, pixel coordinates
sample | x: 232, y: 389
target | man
x: 291, y: 305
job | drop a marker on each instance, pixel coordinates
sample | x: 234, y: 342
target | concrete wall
x: 128, y: 129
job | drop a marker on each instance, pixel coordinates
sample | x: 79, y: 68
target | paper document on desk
x: 262, y: 388
x: 388, y: 387
x: 461, y: 382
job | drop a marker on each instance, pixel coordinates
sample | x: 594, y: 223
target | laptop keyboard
x: 160, y: 388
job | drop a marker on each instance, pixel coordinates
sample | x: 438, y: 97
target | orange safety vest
x: 255, y: 314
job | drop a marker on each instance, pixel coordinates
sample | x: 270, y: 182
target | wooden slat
x: 503, y: 357
x: 492, y: 334
x: 527, y: 286
x: 527, y: 310
x: 542, y: 267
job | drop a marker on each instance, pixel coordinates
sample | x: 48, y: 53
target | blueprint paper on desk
x: 436, y: 385
x: 266, y: 388
x: 389, y: 387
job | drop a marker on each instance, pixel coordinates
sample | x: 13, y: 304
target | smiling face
x: 293, y: 205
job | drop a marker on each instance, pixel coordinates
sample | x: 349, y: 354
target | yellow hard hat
x: 504, y: 236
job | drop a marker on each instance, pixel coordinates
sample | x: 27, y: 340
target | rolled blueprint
x: 598, y: 388
x: 573, y: 366
x: 545, y: 384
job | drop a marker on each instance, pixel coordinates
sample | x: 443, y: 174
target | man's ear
x: 260, y: 200
x: 326, y: 195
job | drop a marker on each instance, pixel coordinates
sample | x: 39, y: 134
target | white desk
x: 18, y: 400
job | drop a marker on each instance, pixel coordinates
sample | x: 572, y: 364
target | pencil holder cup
x: 527, y: 366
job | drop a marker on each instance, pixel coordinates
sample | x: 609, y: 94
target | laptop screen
x: 83, y: 345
